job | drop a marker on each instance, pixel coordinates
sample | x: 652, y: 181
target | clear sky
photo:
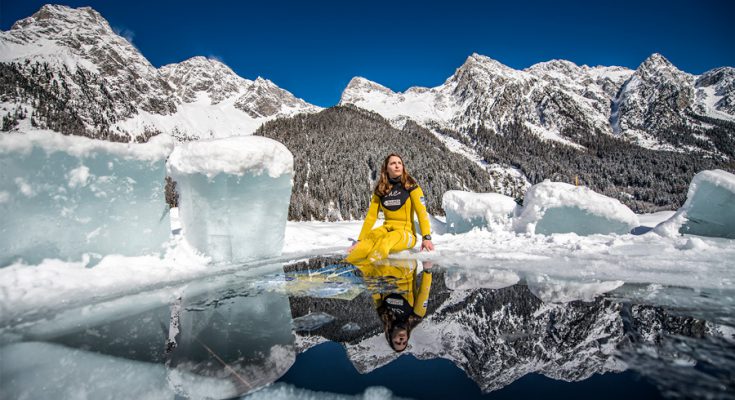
x: 313, y: 49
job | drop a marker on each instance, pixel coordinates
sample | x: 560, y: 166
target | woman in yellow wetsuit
x: 403, y: 306
x: 399, y: 197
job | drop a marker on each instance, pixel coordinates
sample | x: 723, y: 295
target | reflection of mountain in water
x: 498, y: 336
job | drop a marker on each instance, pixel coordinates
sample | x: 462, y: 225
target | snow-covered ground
x: 28, y: 292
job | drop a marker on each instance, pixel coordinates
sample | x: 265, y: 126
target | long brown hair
x: 390, y: 325
x: 383, y: 187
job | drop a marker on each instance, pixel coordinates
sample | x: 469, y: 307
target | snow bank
x: 63, y: 196
x: 466, y: 210
x: 556, y: 207
x: 709, y: 209
x: 233, y: 196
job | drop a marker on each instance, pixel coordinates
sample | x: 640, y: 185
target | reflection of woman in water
x: 403, y: 307
x: 399, y: 197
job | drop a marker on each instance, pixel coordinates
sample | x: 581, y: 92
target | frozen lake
x: 302, y: 328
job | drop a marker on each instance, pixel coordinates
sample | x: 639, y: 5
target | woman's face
x: 400, y: 339
x: 395, y: 167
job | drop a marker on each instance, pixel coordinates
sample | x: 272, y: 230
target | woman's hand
x: 426, y: 244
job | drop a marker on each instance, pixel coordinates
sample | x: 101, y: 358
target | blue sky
x: 314, y: 48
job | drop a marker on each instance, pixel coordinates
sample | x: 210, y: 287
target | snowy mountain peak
x: 360, y: 89
x: 563, y: 66
x: 477, y: 64
x: 656, y: 60
x: 81, y: 36
x: 58, y: 17
x: 360, y: 83
x: 716, y: 93
x: 657, y: 98
x: 716, y: 76
x: 263, y: 82
x: 657, y: 68
x: 201, y: 74
x: 204, y: 62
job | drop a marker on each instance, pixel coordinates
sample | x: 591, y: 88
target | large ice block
x: 466, y: 210
x: 63, y: 196
x: 557, y: 207
x: 709, y: 209
x: 233, y: 196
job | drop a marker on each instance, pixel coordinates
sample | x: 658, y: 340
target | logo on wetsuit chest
x: 394, y: 302
x: 395, y: 199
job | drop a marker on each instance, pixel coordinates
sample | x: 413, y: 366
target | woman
x: 399, y: 196
x: 404, y: 304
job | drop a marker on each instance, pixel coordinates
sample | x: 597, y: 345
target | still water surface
x: 404, y: 328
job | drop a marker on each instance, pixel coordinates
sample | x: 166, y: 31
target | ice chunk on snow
x: 466, y: 210
x: 709, y: 209
x: 63, y: 196
x: 233, y: 196
x: 556, y: 207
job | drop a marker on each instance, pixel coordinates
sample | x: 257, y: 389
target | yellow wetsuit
x: 414, y: 294
x: 398, y: 232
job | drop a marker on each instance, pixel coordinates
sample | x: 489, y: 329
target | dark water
x: 320, y: 326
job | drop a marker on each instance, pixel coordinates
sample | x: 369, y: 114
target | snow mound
x: 64, y: 196
x: 556, y: 207
x: 234, y: 195
x: 466, y: 210
x: 709, y: 209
